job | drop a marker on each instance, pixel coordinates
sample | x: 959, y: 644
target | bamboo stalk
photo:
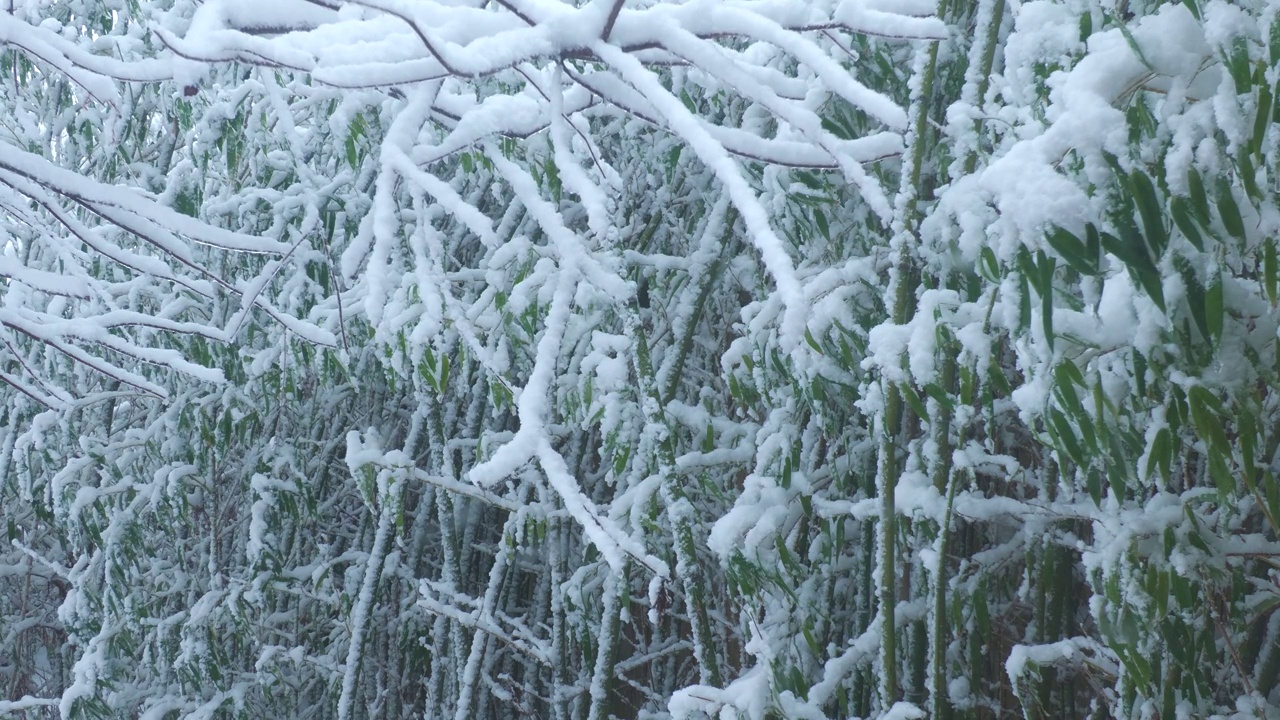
x: 559, y: 631
x: 891, y: 427
x: 677, y: 507
x: 678, y: 511
x: 989, y: 16
x: 940, y: 705
x: 602, y: 678
x: 364, y: 605
x: 704, y: 292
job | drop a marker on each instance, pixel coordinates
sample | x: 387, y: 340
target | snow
x: 903, y: 711
x: 747, y: 695
x: 1039, y: 655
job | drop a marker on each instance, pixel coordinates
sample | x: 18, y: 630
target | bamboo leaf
x: 913, y: 400
x: 941, y: 396
x: 1139, y: 265
x: 1248, y: 436
x: 1093, y: 483
x: 1046, y: 297
x: 1067, y: 437
x: 988, y: 265
x: 1228, y: 210
x: 1248, y: 178
x: 1149, y: 207
x: 1222, y: 477
x: 1196, y: 298
x: 1269, y: 269
x: 1237, y: 62
x: 1024, y: 302
x: 1073, y: 251
x: 1205, y: 413
x: 1213, y: 309
x: 1066, y: 374
x: 1199, y: 198
x: 1158, y: 455
x: 1261, y: 118
x: 1180, y: 209
x: 820, y: 219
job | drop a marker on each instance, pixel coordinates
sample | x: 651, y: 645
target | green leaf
x: 553, y: 178
x: 1213, y: 308
x: 620, y: 460
x: 1261, y: 118
x: 988, y: 265
x: 1274, y: 40
x: 1152, y: 213
x: 1248, y: 177
x: 1024, y: 302
x: 1248, y: 436
x: 839, y: 130
x: 1271, y: 489
x: 1196, y: 296
x: 1029, y: 269
x: 1228, y: 210
x: 913, y: 399
x: 999, y: 383
x: 1222, y: 477
x: 688, y: 101
x: 809, y: 180
x: 444, y: 374
x: 820, y: 219
x: 1206, y: 412
x: 1046, y: 317
x: 1269, y: 270
x: 1180, y: 208
x: 808, y: 338
x: 1199, y: 198
x: 1093, y: 483
x: 1120, y: 467
x: 1046, y: 295
x: 968, y: 386
x: 1158, y: 455
x: 1073, y: 251
x: 1127, y: 228
x: 812, y: 643
x: 355, y: 131
x: 1238, y: 64
x: 939, y: 395
x: 1067, y: 437
x: 1065, y: 385
x: 1139, y: 265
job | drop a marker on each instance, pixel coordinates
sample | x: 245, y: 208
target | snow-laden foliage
x: 722, y: 358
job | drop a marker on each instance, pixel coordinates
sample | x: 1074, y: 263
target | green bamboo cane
x: 559, y: 624
x: 888, y: 470
x: 986, y: 60
x: 944, y: 478
x: 602, y: 680
x: 678, y: 508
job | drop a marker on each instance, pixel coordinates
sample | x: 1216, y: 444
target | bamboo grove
x: 736, y: 359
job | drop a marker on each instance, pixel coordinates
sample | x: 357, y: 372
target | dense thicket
x: 746, y: 358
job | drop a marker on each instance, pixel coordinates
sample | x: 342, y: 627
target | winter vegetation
x: 489, y: 359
